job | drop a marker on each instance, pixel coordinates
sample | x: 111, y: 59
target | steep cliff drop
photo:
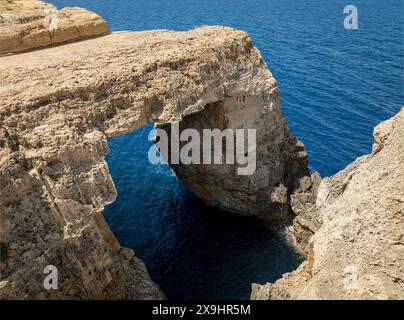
x: 281, y: 166
x: 358, y: 220
x: 56, y: 114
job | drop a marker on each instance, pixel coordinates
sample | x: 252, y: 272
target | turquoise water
x: 336, y: 85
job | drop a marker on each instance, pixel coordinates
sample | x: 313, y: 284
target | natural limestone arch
x: 56, y: 114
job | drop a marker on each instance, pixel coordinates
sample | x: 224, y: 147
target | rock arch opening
x: 190, y: 250
x: 53, y: 141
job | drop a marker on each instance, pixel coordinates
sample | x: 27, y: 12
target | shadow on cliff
x: 191, y: 251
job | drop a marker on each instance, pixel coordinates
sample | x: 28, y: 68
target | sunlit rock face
x: 31, y: 24
x: 55, y: 117
x: 356, y: 251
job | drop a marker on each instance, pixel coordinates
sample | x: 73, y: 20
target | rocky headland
x: 56, y: 114
x: 353, y: 235
x: 60, y: 104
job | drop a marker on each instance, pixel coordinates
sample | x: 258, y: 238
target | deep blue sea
x: 336, y: 85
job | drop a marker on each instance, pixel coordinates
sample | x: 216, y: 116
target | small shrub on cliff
x: 34, y: 163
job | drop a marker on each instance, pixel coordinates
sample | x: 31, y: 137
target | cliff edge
x: 56, y: 114
x: 358, y: 222
x: 31, y: 24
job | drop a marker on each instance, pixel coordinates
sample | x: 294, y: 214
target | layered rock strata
x: 31, y: 24
x: 358, y: 225
x: 280, y: 169
x: 56, y: 115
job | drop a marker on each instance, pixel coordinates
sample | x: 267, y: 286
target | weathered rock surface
x: 30, y: 24
x: 57, y: 111
x: 357, y: 251
x: 281, y: 165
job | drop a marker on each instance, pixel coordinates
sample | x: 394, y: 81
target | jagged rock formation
x: 30, y: 24
x: 358, y: 225
x: 55, y: 116
x: 281, y: 164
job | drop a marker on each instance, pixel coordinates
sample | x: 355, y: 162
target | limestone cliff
x: 57, y: 111
x: 358, y: 222
x: 55, y: 117
x: 281, y: 165
x: 30, y: 24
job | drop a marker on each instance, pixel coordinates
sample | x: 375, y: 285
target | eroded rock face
x: 52, y: 214
x: 358, y: 224
x: 30, y: 24
x: 57, y: 111
x: 281, y: 158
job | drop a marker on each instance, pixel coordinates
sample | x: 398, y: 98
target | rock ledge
x: 31, y: 24
x: 358, y: 225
